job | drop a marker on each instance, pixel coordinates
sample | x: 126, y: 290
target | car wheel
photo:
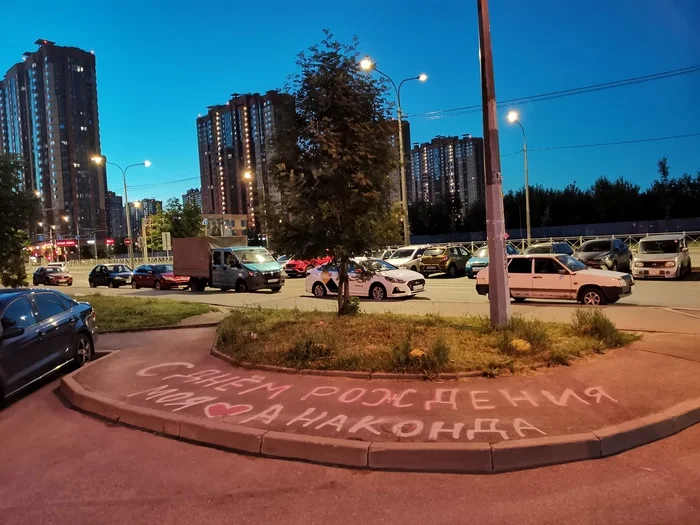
x: 34, y: 282
x: 277, y: 289
x: 414, y: 269
x: 592, y: 297
x: 614, y: 266
x: 112, y: 285
x: 318, y: 290
x: 519, y: 299
x: 134, y: 285
x: 241, y: 287
x: 377, y: 292
x: 308, y: 269
x: 158, y: 285
x: 92, y: 283
x: 83, y: 350
x: 69, y: 284
x: 452, y: 270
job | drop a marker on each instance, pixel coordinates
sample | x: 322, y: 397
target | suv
x: 607, y: 254
x: 664, y: 256
x: 551, y: 247
x: 552, y: 276
x: 408, y: 257
x: 444, y: 259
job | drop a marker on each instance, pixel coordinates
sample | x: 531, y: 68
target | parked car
x: 112, y: 275
x: 61, y: 265
x: 480, y: 259
x: 450, y: 260
x: 558, y: 276
x: 40, y: 332
x: 550, y: 247
x: 300, y: 267
x: 158, y: 276
x: 382, y: 253
x: 408, y: 257
x: 663, y: 256
x: 383, y: 282
x: 607, y: 254
x: 47, y: 275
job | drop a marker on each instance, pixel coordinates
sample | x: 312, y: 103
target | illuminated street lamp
x: 101, y: 159
x: 368, y: 65
x: 513, y: 118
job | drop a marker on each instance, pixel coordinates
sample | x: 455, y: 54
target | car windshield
x: 571, y: 263
x: 596, y: 246
x: 118, y: 268
x: 376, y: 265
x: 53, y: 269
x: 540, y: 248
x: 671, y: 246
x: 482, y: 252
x: 256, y: 256
x: 403, y: 253
x: 163, y: 268
x: 434, y: 251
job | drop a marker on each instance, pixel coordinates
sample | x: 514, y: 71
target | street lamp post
x: 99, y: 160
x: 513, y: 117
x: 367, y: 64
x: 66, y: 218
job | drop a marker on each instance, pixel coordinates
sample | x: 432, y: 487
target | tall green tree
x: 333, y: 167
x: 18, y: 208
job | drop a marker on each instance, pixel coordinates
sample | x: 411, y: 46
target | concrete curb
x: 447, y: 376
x: 210, y: 324
x: 482, y: 458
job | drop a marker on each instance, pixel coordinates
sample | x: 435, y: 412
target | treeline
x: 605, y: 201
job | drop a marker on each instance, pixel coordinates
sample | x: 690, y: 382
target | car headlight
x: 253, y: 273
x: 622, y: 282
x: 394, y: 280
x: 670, y: 264
x: 638, y: 264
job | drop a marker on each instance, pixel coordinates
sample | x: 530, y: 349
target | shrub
x: 594, y: 323
x: 557, y: 356
x: 533, y: 331
x: 401, y: 353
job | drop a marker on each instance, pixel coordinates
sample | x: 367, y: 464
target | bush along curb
x: 447, y: 376
x: 479, y: 458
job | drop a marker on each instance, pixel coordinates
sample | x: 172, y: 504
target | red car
x: 52, y: 275
x: 158, y: 276
x: 299, y: 267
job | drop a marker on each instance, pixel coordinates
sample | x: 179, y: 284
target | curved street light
x: 368, y: 65
x: 101, y: 159
x: 513, y: 118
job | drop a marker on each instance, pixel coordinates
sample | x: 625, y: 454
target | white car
x: 662, y: 256
x: 408, y: 257
x: 387, y: 281
x: 559, y: 276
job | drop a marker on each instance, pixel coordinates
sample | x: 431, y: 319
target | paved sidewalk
x: 174, y: 375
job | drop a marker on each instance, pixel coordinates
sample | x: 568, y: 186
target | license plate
x: 273, y: 280
x: 654, y: 272
x: 418, y: 288
x: 431, y: 267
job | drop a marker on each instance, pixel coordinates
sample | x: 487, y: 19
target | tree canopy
x: 18, y: 208
x: 333, y: 166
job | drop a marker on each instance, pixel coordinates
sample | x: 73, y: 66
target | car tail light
x: 93, y: 315
x: 444, y: 258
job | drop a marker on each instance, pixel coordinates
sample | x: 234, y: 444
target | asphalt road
x: 60, y: 466
x: 439, y: 289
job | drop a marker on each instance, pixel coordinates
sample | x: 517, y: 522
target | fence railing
x: 138, y: 261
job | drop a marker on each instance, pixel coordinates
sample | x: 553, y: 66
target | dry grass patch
x: 400, y: 343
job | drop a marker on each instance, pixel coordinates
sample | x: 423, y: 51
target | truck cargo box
x: 191, y: 255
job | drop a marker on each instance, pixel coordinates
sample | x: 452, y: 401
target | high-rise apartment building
x: 136, y: 217
x: 448, y: 166
x: 193, y: 196
x: 235, y: 146
x: 116, y: 216
x: 49, y: 117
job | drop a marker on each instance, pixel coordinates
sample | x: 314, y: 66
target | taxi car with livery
x: 373, y: 278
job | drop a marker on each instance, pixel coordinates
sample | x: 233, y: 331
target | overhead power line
x: 434, y: 115
x: 599, y: 144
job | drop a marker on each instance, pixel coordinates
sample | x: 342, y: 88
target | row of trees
x: 179, y: 220
x: 604, y: 201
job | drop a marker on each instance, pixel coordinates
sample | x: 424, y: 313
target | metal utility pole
x: 514, y: 117
x: 499, y: 294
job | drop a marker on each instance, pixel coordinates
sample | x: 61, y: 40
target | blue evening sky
x: 160, y: 63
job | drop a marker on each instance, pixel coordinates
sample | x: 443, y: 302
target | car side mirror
x: 563, y: 272
x: 685, y: 249
x: 151, y: 272
x: 9, y: 333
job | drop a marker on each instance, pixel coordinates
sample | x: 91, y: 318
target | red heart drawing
x: 224, y: 409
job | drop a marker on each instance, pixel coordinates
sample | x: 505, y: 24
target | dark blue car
x: 40, y: 332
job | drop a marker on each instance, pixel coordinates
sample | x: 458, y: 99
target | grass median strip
x: 412, y: 344
x: 124, y: 313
